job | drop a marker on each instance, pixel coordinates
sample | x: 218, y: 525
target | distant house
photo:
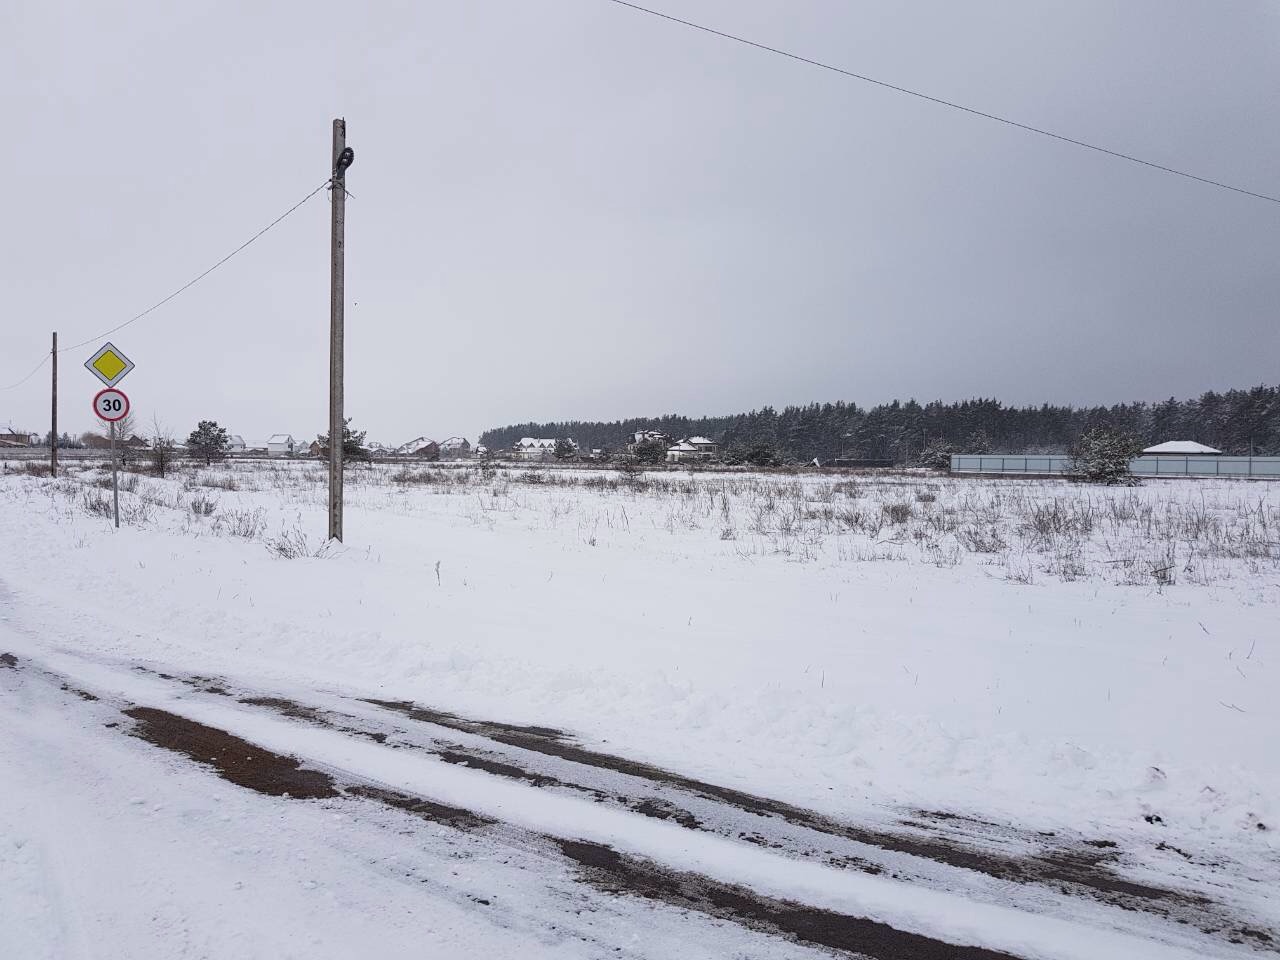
x: 1181, y: 448
x: 455, y: 448
x: 538, y: 448
x: 235, y: 443
x: 693, y: 448
x: 317, y: 449
x: 18, y: 440
x: 648, y: 436
x: 280, y: 445
x: 423, y: 448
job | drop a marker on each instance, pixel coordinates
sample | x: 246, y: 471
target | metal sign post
x: 111, y: 366
x: 115, y: 478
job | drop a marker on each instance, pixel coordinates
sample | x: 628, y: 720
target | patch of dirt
x: 486, y: 728
x: 8, y: 661
x: 234, y: 759
x: 82, y: 694
x: 663, y: 810
x: 426, y: 809
x: 613, y: 872
x: 496, y: 767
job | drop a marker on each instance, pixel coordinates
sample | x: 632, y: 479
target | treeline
x: 1237, y: 422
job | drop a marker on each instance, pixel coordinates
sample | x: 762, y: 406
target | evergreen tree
x: 1103, y: 456
x: 353, y: 447
x: 208, y: 441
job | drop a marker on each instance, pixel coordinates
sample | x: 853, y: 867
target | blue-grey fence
x: 1257, y: 468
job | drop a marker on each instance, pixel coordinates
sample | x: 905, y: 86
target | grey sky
x: 565, y: 209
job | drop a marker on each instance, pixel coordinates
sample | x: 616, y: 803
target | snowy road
x: 161, y: 813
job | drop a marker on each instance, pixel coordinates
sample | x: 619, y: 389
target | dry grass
x: 1162, y: 535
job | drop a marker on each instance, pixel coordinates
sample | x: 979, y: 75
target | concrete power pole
x: 342, y: 157
x: 53, y: 437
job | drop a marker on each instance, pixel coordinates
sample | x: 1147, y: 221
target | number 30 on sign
x: 111, y: 405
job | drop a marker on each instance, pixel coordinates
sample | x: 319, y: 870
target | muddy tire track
x: 252, y: 767
x: 1079, y: 868
x: 614, y: 872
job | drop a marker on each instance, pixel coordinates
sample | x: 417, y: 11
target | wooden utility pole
x: 341, y: 159
x: 53, y: 436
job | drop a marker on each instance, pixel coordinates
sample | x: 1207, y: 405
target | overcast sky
x: 565, y: 209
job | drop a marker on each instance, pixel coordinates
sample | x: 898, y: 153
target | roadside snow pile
x: 1026, y: 649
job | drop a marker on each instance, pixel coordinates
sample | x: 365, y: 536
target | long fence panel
x: 1255, y: 468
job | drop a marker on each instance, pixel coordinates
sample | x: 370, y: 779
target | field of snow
x: 1031, y: 652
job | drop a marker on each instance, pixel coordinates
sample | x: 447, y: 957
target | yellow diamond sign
x: 109, y: 365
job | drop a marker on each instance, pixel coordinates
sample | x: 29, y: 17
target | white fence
x: 1255, y: 468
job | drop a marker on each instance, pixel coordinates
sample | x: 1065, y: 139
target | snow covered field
x: 1052, y: 659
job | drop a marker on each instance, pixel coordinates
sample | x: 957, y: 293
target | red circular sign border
x: 127, y: 405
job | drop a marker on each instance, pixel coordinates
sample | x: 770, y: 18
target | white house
x: 1181, y: 448
x: 280, y: 445
x: 534, y: 448
x: 235, y: 443
x: 693, y: 448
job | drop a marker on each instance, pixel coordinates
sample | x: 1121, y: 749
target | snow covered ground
x: 1089, y: 663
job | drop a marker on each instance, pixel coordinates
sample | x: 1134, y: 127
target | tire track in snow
x: 643, y: 878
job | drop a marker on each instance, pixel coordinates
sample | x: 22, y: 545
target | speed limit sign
x: 111, y: 405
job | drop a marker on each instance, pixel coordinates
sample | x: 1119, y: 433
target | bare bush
x: 898, y: 513
x: 202, y: 506
x: 292, y: 544
x: 248, y: 524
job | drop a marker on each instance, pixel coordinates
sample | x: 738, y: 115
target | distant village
x: 652, y: 445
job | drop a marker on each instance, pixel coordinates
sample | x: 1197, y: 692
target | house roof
x: 698, y: 440
x: 684, y: 446
x: 416, y: 444
x: 453, y: 442
x: 535, y: 443
x: 235, y: 438
x: 1181, y: 448
x: 280, y: 438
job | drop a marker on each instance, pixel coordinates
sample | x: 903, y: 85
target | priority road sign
x: 111, y: 405
x: 109, y: 365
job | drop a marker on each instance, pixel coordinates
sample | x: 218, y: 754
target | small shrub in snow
x: 202, y: 506
x: 405, y: 475
x: 97, y: 504
x: 898, y: 512
x: 981, y: 540
x: 292, y: 544
x: 248, y: 524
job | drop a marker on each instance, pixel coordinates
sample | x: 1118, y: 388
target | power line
x: 945, y: 103
x: 35, y: 370
x: 160, y: 303
x: 193, y: 281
